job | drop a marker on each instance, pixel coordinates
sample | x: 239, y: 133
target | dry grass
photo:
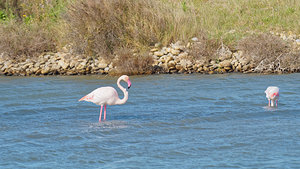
x: 131, y: 64
x: 263, y: 47
x: 22, y: 41
x: 232, y: 20
x: 269, y: 52
x: 100, y: 27
x: 205, y: 49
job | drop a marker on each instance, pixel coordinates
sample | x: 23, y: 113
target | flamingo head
x: 126, y: 79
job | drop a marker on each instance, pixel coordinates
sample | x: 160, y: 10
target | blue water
x: 169, y: 121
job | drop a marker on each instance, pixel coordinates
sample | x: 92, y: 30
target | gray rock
x: 195, y: 39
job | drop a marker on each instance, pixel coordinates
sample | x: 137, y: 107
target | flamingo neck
x: 125, y: 98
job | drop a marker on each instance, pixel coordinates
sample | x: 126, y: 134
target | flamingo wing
x: 102, y: 96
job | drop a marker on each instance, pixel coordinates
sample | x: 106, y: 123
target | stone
x: 171, y: 64
x: 195, y: 39
x: 227, y: 68
x: 225, y: 63
x: 178, y: 67
x: 246, y: 67
x: 168, y: 50
x: 106, y: 69
x: 154, y: 50
x: 155, y: 62
x: 239, y: 68
x: 185, y: 63
x: 45, y: 70
x: 102, y: 65
x: 158, y: 45
x: 169, y: 58
x: 183, y: 55
x: 63, y: 64
x: 212, y: 62
x: 159, y: 53
x: 175, y: 51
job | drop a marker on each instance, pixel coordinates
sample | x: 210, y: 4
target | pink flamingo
x: 108, y: 96
x: 272, y: 94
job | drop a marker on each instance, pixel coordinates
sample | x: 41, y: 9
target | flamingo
x: 107, y: 96
x: 272, y: 94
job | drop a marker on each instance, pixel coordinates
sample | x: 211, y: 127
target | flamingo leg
x: 269, y: 103
x: 276, y: 103
x: 100, y: 113
x: 104, y: 118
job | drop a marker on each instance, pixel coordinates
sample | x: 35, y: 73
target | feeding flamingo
x: 272, y: 94
x: 108, y: 96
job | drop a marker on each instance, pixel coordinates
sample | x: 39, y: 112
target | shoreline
x: 173, y: 59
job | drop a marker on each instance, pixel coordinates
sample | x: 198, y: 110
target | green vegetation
x: 99, y: 28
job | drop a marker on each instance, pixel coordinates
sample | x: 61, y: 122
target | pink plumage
x: 272, y: 94
x: 108, y: 96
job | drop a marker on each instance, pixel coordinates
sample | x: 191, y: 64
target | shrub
x: 265, y: 47
x: 100, y: 27
x: 22, y: 41
x: 126, y: 62
x: 204, y: 49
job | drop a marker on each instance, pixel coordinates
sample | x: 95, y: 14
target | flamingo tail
x: 87, y: 98
x: 83, y: 98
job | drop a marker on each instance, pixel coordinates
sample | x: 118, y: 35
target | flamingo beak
x: 129, y: 83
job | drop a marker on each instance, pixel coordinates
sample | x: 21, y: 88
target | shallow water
x: 177, y: 121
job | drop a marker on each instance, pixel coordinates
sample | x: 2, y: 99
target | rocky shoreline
x: 172, y: 59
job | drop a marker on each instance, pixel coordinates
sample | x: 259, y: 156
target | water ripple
x: 169, y: 121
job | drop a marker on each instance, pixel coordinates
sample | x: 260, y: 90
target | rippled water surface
x: 169, y: 121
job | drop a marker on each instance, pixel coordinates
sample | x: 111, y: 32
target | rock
x: 171, y: 64
x: 214, y: 66
x: 45, y: 70
x: 183, y: 55
x: 195, y: 39
x: 246, y: 67
x: 205, y: 68
x: 185, y: 63
x: 168, y: 50
x: 188, y: 45
x: 154, y: 50
x: 102, y: 65
x: 175, y: 51
x: 106, y: 69
x: 158, y: 45
x: 159, y: 53
x: 73, y: 63
x: 244, y: 61
x: 239, y: 68
x: 63, y: 64
x: 177, y: 47
x: 178, y: 67
x: 155, y: 62
x: 64, y: 49
x: 225, y: 63
x: 169, y: 58
x: 227, y: 68
x: 211, y: 72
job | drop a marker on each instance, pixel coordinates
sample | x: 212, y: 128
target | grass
x: 99, y: 28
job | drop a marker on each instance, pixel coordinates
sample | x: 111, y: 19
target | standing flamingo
x: 108, y: 96
x: 272, y: 94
